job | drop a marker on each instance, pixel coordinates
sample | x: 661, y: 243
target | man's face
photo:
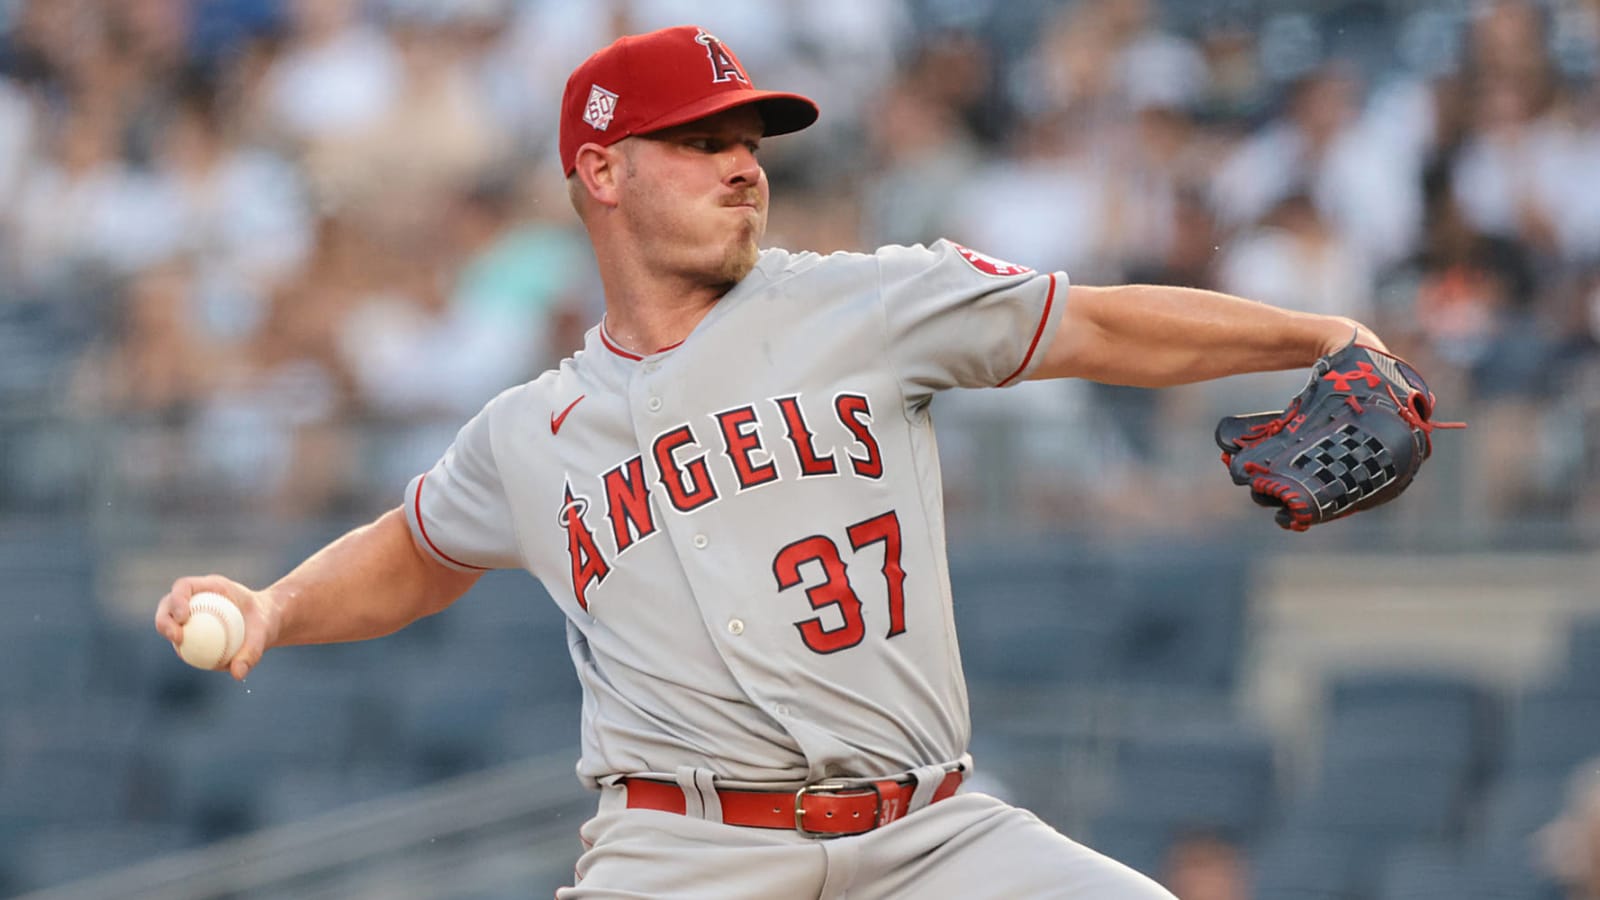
x: 695, y: 198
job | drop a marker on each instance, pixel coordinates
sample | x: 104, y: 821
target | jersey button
x: 782, y: 710
x: 736, y: 627
x: 700, y: 541
x: 654, y: 404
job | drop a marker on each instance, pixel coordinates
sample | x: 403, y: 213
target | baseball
x: 214, y: 632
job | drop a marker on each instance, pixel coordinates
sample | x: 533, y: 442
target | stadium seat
x: 1138, y: 843
x: 1217, y: 780
x: 1386, y: 803
x: 1423, y: 873
x: 1553, y: 728
x: 44, y: 663
x: 48, y: 787
x: 537, y: 730
x: 446, y: 715
x: 1182, y: 619
x: 1440, y: 872
x: 1304, y: 864
x: 1037, y: 624
x: 503, y: 597
x: 1583, y: 651
x: 1406, y: 718
x: 283, y: 718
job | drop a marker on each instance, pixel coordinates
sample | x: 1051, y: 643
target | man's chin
x: 738, y: 263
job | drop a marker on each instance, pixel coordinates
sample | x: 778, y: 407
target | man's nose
x: 743, y: 167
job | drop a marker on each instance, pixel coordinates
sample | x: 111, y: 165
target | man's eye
x: 705, y: 145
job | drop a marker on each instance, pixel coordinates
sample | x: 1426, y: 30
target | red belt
x: 824, y: 808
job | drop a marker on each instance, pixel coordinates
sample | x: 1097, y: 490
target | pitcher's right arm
x: 371, y: 582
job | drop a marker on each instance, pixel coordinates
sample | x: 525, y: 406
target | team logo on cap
x: 723, y: 66
x: 599, y: 109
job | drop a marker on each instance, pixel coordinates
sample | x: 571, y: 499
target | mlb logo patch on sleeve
x: 988, y: 265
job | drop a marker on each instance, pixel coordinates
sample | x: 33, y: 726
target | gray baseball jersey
x: 745, y: 530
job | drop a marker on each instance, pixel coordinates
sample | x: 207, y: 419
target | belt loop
x: 705, y: 780
x: 613, y: 794
x: 700, y: 800
x: 928, y: 779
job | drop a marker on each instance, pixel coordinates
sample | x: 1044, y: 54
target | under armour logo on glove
x: 1363, y: 370
x: 1352, y: 439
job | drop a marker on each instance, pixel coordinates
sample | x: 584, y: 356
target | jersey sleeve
x: 458, y: 510
x: 958, y: 318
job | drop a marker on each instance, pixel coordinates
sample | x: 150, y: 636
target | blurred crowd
x: 236, y: 227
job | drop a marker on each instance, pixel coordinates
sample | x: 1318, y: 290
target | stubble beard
x: 740, y: 258
x: 741, y: 252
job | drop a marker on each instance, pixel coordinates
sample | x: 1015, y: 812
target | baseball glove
x: 1352, y: 439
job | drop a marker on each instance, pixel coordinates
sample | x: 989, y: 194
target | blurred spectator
x: 484, y: 332
x: 1320, y: 147
x: 1296, y: 260
x: 83, y: 211
x: 1205, y: 866
x: 18, y: 134
x: 336, y: 74
x: 241, y: 213
x: 1236, y: 88
x: 522, y: 65
x: 268, y: 430
x: 434, y: 138
x: 1526, y: 171
x: 316, y: 191
x: 1155, y: 164
x: 1106, y: 57
x: 1570, y: 846
x: 1041, y: 203
x: 156, y: 365
x: 150, y: 374
x: 1464, y: 286
x: 924, y: 154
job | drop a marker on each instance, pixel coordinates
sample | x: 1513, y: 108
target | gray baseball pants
x: 970, y: 846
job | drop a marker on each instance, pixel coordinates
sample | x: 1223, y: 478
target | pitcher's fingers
x: 255, y: 641
x: 182, y: 590
x: 167, y: 622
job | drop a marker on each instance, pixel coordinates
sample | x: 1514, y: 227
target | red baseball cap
x: 647, y: 82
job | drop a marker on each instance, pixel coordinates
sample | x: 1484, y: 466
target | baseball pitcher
x: 733, y: 493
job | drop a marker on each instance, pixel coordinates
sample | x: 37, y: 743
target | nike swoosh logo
x: 555, y: 420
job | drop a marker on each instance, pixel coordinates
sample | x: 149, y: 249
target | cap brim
x: 781, y: 113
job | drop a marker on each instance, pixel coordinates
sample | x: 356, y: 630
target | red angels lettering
x: 740, y: 439
x: 800, y: 436
x: 699, y: 489
x: 588, y: 565
x: 628, y: 503
x: 989, y: 265
x: 855, y: 413
x: 723, y: 66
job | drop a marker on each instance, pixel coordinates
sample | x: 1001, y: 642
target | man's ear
x: 599, y: 168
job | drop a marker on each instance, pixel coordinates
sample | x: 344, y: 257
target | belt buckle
x: 827, y: 786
